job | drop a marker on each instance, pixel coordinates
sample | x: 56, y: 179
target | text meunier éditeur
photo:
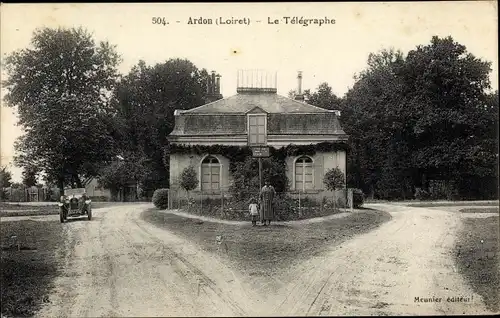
x: 303, y: 21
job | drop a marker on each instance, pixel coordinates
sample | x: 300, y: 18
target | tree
x: 188, y: 179
x: 399, y: 105
x: 5, y: 178
x: 333, y: 181
x: 5, y: 182
x: 30, y: 176
x: 145, y: 101
x: 60, y: 86
x: 323, y: 97
x: 113, y: 176
x: 132, y: 168
x: 370, y: 117
x: 445, y: 95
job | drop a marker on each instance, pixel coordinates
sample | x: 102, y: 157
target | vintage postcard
x: 249, y: 159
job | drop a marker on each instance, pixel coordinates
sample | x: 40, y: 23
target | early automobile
x: 74, y: 202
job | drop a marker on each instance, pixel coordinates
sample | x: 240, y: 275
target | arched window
x: 210, y: 173
x: 304, y: 173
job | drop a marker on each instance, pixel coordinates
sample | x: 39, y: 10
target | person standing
x: 266, y: 197
x: 253, y: 208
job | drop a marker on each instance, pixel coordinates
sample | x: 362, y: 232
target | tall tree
x: 370, y: 114
x: 61, y: 86
x: 5, y: 178
x: 445, y: 95
x: 145, y: 101
x: 30, y: 176
x: 323, y: 97
x: 423, y: 117
x: 5, y: 182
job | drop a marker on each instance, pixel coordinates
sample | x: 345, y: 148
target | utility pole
x: 260, y: 173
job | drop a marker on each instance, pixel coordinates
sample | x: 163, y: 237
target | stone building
x: 255, y: 116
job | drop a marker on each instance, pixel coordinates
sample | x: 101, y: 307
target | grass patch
x: 27, y: 210
x: 259, y: 250
x: 451, y: 203
x: 477, y: 257
x: 7, y: 210
x: 480, y: 210
x: 29, y: 268
x: 18, y: 206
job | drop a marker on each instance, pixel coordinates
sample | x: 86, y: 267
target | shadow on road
x: 80, y: 219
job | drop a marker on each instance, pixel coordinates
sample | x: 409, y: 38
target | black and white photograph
x: 249, y: 159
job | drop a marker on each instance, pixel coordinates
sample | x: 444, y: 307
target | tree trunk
x: 334, y: 203
x: 60, y: 184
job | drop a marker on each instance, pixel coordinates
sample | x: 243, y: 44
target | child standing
x: 253, y: 207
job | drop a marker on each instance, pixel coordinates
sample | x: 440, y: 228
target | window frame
x: 210, y: 165
x: 303, y: 183
x: 262, y: 115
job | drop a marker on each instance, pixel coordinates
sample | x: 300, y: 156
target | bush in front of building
x: 246, y: 181
x: 160, y: 198
x: 284, y: 208
x: 225, y: 209
x: 334, y: 180
x: 188, y: 179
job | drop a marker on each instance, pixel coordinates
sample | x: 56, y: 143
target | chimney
x: 299, y: 83
x: 299, y: 95
x: 217, y: 84
x: 212, y: 87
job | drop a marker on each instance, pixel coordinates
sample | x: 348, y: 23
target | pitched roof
x: 245, y: 102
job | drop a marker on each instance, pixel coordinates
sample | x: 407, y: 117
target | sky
x: 331, y: 53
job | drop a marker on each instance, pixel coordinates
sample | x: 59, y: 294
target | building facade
x: 257, y: 116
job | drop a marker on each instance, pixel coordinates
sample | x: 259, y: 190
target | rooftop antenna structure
x: 256, y: 81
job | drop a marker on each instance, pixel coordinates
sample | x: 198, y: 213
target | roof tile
x: 268, y: 102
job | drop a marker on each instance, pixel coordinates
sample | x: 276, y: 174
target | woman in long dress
x: 266, y: 203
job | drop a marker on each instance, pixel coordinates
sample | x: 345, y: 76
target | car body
x: 75, y: 203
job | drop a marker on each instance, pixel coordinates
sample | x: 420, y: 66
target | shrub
x: 188, y: 179
x: 358, y: 198
x: 421, y: 194
x: 246, y: 177
x: 4, y: 195
x: 284, y: 209
x: 160, y: 198
x: 334, y: 180
x: 333, y: 204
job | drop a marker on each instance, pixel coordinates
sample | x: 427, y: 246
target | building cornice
x: 272, y: 140
x: 181, y: 113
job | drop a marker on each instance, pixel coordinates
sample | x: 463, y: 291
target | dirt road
x: 382, y: 272
x: 119, y: 265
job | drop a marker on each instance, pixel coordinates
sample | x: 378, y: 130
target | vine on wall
x: 239, y: 153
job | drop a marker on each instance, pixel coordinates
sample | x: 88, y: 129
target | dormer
x: 257, y: 127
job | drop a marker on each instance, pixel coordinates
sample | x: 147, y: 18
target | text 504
x: 159, y: 20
